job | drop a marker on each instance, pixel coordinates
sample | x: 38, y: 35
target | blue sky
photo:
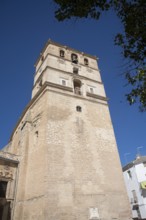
x: 25, y: 27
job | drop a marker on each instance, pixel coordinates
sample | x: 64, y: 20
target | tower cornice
x: 89, y: 97
x: 66, y: 48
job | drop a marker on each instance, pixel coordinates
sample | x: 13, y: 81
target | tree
x: 133, y: 40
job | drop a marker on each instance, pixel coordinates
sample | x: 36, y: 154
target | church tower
x: 69, y: 167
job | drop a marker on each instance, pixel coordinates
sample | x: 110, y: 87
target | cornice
x: 67, y: 73
x: 96, y: 96
x: 65, y: 47
x: 65, y: 59
x: 9, y: 157
x: 60, y: 87
x: 83, y: 97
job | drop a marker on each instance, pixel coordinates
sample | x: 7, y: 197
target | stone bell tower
x: 69, y: 165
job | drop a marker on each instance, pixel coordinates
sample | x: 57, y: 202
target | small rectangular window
x: 78, y: 108
x: 63, y: 82
x: 62, y: 53
x: 91, y: 90
x: 75, y: 70
x: 86, y: 61
x: 129, y: 174
x: 134, y: 196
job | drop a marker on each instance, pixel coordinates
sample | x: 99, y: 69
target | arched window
x: 62, y: 53
x: 77, y: 86
x: 86, y: 61
x: 74, y: 58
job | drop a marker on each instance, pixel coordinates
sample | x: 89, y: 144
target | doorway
x: 5, y: 211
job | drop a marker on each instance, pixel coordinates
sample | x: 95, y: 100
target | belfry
x: 62, y: 161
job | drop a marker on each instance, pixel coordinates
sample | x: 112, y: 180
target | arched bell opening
x: 74, y: 58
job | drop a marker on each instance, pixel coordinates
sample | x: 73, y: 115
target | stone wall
x: 69, y: 163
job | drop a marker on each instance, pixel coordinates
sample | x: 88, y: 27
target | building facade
x: 8, y: 181
x: 69, y: 166
x: 135, y: 180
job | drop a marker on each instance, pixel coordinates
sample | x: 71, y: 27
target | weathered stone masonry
x: 69, y: 166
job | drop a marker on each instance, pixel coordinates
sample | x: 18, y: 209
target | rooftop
x: 138, y: 160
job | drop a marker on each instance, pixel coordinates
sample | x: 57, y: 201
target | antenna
x: 125, y: 156
x: 138, y: 151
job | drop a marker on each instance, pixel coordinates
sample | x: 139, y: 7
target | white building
x: 135, y: 180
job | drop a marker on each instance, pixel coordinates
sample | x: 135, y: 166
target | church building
x: 62, y: 162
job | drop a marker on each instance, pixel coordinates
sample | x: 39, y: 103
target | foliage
x: 133, y: 40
